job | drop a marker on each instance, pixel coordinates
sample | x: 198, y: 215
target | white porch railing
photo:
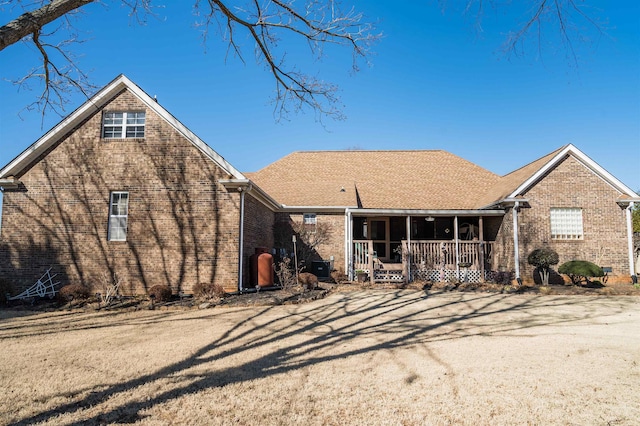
x: 431, y: 259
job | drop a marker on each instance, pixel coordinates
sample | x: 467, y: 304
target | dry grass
x: 364, y: 357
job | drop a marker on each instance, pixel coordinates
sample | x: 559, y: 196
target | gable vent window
x: 309, y: 219
x: 119, y: 125
x: 118, y: 214
x: 566, y: 224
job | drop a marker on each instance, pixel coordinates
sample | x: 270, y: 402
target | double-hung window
x: 566, y: 223
x: 118, y: 213
x: 118, y: 125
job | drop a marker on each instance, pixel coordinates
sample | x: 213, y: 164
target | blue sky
x: 436, y: 83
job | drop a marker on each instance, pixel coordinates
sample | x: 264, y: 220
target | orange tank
x: 262, y: 268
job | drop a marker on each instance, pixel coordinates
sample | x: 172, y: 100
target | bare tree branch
x: 565, y: 15
x: 317, y: 23
x: 30, y: 22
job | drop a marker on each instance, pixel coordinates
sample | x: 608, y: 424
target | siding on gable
x: 182, y: 223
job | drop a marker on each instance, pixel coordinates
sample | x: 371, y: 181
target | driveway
x: 367, y: 357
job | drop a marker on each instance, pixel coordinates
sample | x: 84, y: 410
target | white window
x: 566, y: 223
x: 118, y: 212
x: 118, y: 125
x: 309, y: 219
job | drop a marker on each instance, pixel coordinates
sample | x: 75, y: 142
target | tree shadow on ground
x: 277, y: 340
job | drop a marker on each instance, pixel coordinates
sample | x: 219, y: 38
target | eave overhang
x: 249, y: 187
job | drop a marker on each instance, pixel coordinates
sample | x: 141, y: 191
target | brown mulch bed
x: 298, y: 295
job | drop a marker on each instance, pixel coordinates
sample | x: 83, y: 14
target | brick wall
x: 570, y: 184
x: 182, y: 224
x: 334, y: 244
x: 258, y: 233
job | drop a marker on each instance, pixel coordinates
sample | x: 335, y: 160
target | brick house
x: 121, y: 186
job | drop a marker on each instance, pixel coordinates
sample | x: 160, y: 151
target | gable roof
x: 375, y: 179
x: 92, y: 106
x: 518, y: 182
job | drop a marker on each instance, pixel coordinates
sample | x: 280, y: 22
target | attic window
x: 566, y: 223
x: 123, y: 124
x: 309, y: 219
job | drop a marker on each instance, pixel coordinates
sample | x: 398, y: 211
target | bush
x: 208, y: 291
x: 580, y: 271
x: 308, y: 280
x: 542, y: 259
x: 502, y: 277
x: 5, y: 288
x: 285, y: 273
x: 338, y: 276
x: 160, y: 293
x: 73, y: 292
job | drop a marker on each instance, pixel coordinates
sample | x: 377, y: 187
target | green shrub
x: 5, y: 288
x: 580, y: 271
x: 208, y: 291
x: 542, y: 259
x: 160, y: 293
x: 73, y: 292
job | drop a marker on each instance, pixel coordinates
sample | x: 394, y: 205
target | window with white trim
x: 118, y: 214
x: 566, y: 223
x: 123, y: 124
x: 309, y: 219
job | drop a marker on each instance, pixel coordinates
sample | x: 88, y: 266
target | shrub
x: 73, y: 292
x: 160, y: 293
x: 502, y: 277
x: 286, y: 275
x: 308, y: 280
x: 580, y: 271
x: 5, y: 288
x: 542, y: 259
x: 208, y: 291
x: 338, y: 276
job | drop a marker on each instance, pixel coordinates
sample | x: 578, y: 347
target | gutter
x: 9, y: 183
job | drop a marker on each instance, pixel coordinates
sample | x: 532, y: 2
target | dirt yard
x: 396, y: 357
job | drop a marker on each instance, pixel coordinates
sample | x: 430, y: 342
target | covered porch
x: 422, y: 245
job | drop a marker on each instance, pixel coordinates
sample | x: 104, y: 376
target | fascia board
x: 409, y: 212
x: 81, y: 113
x: 584, y: 159
x: 91, y: 107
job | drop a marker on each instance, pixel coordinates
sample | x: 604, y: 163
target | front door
x: 379, y: 233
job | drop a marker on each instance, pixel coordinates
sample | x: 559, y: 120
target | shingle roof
x: 376, y: 179
x: 510, y: 182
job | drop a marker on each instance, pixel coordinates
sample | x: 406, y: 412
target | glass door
x: 379, y: 233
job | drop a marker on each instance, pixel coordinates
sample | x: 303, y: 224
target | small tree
x: 542, y: 259
x: 580, y: 271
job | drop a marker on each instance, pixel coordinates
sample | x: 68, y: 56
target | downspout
x: 516, y: 253
x: 241, y: 248
x: 630, y: 238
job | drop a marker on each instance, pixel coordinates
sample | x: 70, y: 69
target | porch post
x: 516, y: 253
x: 406, y: 258
x: 481, y: 247
x: 455, y: 233
x: 371, y: 264
x: 348, y: 244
